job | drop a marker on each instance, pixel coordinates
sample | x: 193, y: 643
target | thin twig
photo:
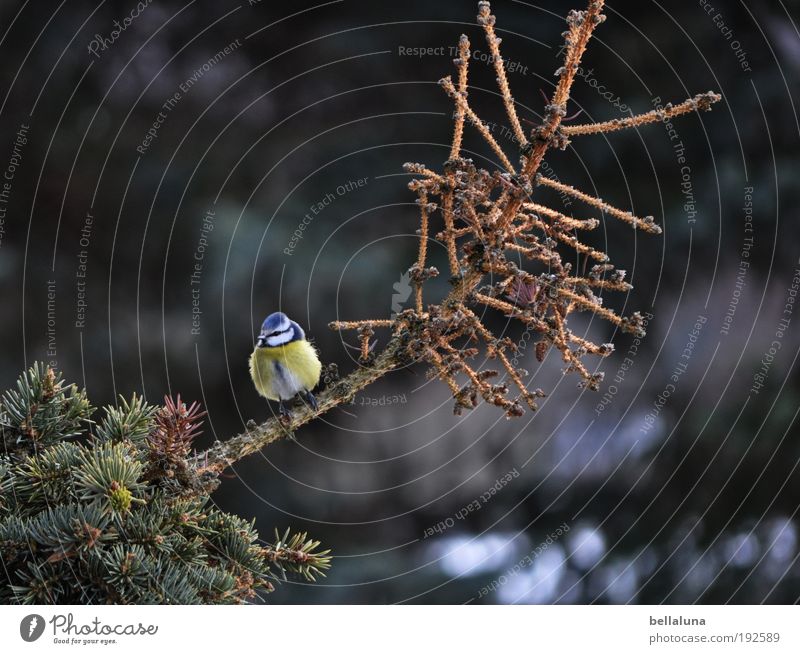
x: 700, y: 102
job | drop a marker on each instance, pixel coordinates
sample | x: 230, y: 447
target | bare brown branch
x: 700, y: 102
x: 491, y: 227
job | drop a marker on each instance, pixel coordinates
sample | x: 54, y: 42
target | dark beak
x: 262, y: 341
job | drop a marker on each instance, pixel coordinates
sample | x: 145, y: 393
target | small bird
x: 284, y: 363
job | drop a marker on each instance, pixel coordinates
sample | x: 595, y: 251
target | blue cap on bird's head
x: 278, y: 329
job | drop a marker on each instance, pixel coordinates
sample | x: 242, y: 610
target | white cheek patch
x: 279, y: 339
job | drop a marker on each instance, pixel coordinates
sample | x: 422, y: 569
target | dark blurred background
x: 115, y: 148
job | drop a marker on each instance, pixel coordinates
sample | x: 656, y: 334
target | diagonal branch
x: 486, y: 19
x: 255, y: 437
x: 646, y: 223
x: 581, y: 27
x: 700, y: 102
x: 461, y: 104
x: 463, y: 68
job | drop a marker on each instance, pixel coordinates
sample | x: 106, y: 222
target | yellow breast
x: 279, y: 373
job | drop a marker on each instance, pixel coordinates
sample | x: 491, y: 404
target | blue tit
x: 284, y: 363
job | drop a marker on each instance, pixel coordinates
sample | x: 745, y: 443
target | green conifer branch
x: 118, y: 515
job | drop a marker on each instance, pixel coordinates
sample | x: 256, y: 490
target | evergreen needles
x: 121, y: 515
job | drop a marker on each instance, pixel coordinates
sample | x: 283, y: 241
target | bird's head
x: 278, y: 330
